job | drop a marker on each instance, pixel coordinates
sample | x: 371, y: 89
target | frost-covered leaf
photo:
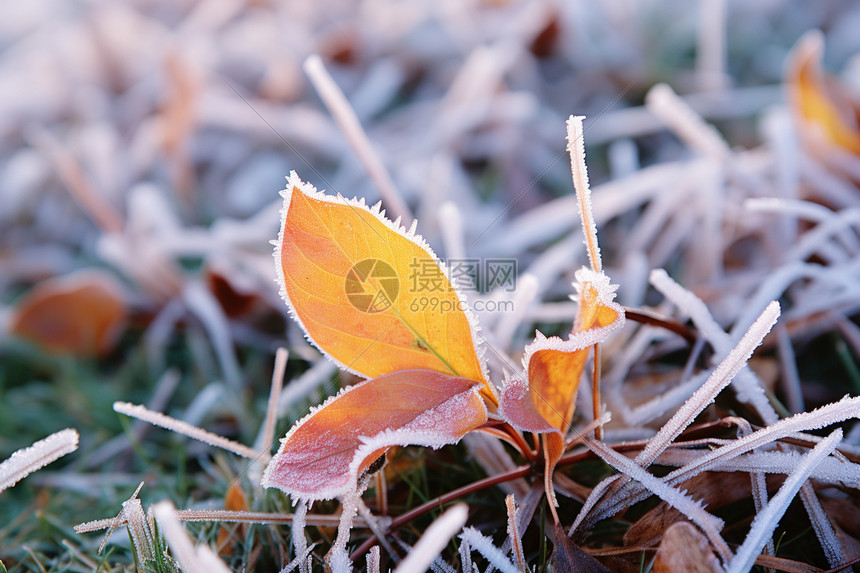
x: 356, y: 282
x: 543, y: 399
x: 554, y: 366
x: 325, y: 453
x: 83, y: 313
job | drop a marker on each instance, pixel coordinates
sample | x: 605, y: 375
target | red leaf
x: 326, y: 452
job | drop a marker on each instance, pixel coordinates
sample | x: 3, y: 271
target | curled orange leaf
x: 554, y: 366
x: 369, y: 293
x: 325, y: 454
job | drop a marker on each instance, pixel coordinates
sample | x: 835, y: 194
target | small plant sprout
x: 349, y: 277
x: 341, y: 267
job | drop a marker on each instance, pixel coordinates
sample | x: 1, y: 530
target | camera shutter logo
x: 371, y: 285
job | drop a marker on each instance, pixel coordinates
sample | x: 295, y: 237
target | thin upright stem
x: 595, y: 392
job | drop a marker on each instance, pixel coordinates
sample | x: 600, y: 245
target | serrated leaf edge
x: 295, y: 182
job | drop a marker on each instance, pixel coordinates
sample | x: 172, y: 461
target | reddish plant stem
x: 484, y: 483
x: 519, y: 472
x: 509, y: 434
x: 595, y: 392
x: 437, y: 503
x: 646, y: 317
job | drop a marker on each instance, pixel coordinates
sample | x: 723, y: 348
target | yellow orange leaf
x: 818, y: 100
x: 83, y: 313
x: 554, y: 366
x: 554, y: 377
x: 324, y: 454
x: 369, y: 293
x: 594, y: 310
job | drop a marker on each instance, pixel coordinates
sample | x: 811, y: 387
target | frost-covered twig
x: 27, y: 460
x: 765, y: 522
x: 316, y: 519
x: 186, y: 429
x: 373, y: 559
x: 484, y: 545
x: 514, y: 533
x: 677, y: 114
x: 346, y: 119
x: 337, y: 557
x: 719, y: 379
x: 267, y: 434
x: 710, y: 524
x: 297, y: 532
x: 378, y: 525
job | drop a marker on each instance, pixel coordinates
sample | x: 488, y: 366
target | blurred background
x: 143, y: 145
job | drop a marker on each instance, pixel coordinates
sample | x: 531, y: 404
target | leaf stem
x: 510, y: 475
x: 595, y: 392
x: 646, y: 317
x: 509, y: 434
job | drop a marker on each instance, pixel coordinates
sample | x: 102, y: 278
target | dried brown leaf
x: 81, y: 314
x: 684, y: 548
